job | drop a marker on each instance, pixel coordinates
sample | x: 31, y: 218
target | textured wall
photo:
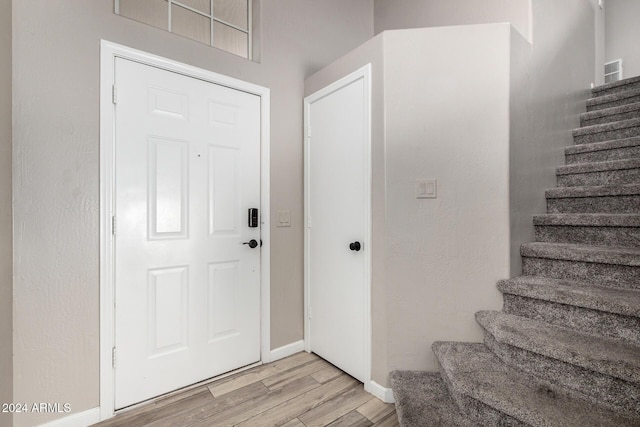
x: 6, y: 282
x: 550, y: 83
x: 622, y: 34
x: 447, y: 117
x: 56, y: 157
x: 394, y: 15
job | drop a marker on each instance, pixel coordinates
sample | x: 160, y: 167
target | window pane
x: 201, y: 5
x: 230, y: 39
x: 231, y: 11
x: 190, y: 24
x: 152, y: 12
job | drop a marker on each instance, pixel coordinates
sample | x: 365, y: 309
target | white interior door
x: 187, y: 290
x: 337, y: 233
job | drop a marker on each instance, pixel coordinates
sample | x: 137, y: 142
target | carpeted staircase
x: 565, y: 349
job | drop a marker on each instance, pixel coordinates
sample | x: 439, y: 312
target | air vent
x: 613, y: 71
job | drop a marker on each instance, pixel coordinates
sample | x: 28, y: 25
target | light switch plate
x: 426, y: 189
x: 284, y: 218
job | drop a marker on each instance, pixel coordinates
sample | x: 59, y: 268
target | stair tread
x: 602, y: 146
x: 609, y: 165
x: 475, y: 371
x: 608, y: 86
x: 608, y: 356
x: 624, y: 302
x: 611, y: 111
x: 605, y: 99
x: 588, y: 220
x: 593, y: 191
x: 422, y: 399
x: 606, y: 127
x: 582, y: 253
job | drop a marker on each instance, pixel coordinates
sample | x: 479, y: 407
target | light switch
x: 284, y: 218
x: 426, y: 189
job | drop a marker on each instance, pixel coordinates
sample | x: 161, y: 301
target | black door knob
x: 252, y: 243
x: 355, y: 246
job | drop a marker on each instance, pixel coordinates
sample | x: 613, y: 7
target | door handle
x: 355, y: 246
x: 252, y: 243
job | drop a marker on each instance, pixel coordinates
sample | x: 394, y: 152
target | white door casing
x: 338, y: 213
x: 177, y: 169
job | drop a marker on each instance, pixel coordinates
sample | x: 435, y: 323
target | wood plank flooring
x: 299, y: 391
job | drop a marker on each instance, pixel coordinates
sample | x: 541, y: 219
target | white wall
x: 550, y: 84
x: 56, y: 192
x: 6, y: 281
x: 565, y: 58
x: 623, y: 34
x: 447, y: 117
x: 394, y: 15
x: 435, y: 261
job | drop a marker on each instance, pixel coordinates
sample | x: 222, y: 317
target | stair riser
x: 606, y: 204
x: 629, y: 132
x: 604, y: 155
x: 610, y: 118
x: 611, y: 177
x: 598, y: 388
x: 601, y: 236
x: 476, y: 411
x: 619, y: 89
x: 582, y: 319
x: 616, y: 103
x: 611, y: 275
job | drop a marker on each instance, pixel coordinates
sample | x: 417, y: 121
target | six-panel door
x: 187, y: 289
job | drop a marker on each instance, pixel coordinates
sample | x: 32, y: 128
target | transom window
x: 224, y: 24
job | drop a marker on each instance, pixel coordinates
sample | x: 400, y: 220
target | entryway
x: 185, y: 207
x: 296, y: 391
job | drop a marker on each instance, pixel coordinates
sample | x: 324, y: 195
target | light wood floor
x: 301, y: 390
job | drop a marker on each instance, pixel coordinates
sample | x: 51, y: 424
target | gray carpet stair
x: 609, y: 115
x: 565, y: 349
x: 607, y: 131
x: 600, y: 369
x: 627, y: 148
x: 625, y: 171
x: 423, y: 400
x: 594, y: 199
x: 609, y: 312
x: 491, y: 393
x: 616, y: 87
x: 613, y: 100
x: 592, y: 229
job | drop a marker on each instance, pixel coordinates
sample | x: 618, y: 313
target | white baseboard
x: 80, y: 419
x: 287, y: 350
x: 382, y: 393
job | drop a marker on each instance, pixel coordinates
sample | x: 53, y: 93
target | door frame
x: 363, y: 73
x: 108, y: 53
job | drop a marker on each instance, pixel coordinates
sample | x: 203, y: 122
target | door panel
x: 187, y: 290
x: 337, y: 214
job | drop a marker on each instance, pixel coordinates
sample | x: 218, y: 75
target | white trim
x: 80, y: 419
x: 287, y: 350
x: 382, y: 393
x: 365, y: 74
x: 108, y: 52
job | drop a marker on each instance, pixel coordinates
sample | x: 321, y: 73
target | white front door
x: 187, y: 290
x: 337, y: 233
